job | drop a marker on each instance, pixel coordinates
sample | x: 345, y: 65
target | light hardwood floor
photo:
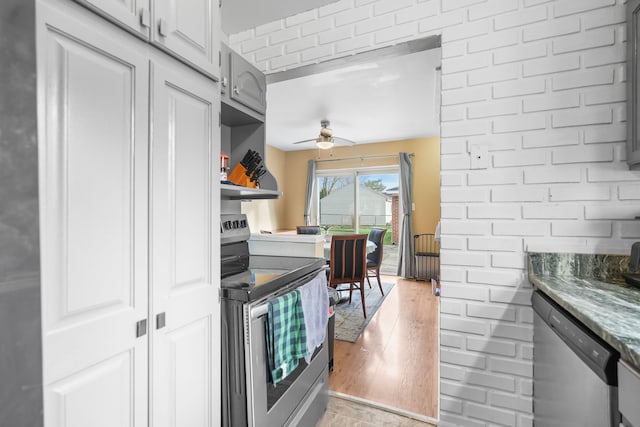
x: 394, y: 362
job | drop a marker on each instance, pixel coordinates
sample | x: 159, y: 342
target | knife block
x: 239, y: 176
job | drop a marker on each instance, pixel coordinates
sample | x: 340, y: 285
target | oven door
x: 299, y: 399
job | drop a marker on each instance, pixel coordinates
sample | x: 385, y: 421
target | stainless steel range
x: 248, y: 284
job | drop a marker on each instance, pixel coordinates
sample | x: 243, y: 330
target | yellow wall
x: 290, y: 170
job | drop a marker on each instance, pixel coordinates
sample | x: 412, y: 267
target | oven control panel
x: 234, y: 228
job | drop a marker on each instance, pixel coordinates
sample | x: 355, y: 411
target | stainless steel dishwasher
x: 574, y: 371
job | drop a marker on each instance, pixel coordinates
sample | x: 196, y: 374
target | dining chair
x: 348, y: 264
x: 308, y: 229
x: 374, y: 259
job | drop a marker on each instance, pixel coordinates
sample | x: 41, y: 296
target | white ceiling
x: 241, y: 15
x: 393, y: 98
x: 385, y: 99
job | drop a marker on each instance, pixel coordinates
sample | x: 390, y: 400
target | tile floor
x: 346, y: 413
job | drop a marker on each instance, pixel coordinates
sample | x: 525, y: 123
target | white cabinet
x: 187, y: 29
x: 134, y: 15
x: 628, y: 392
x: 633, y: 85
x: 243, y: 84
x: 184, y: 274
x: 93, y: 200
x: 248, y: 84
x: 244, y: 90
x: 126, y: 141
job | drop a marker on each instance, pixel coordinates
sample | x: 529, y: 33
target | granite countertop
x: 591, y: 289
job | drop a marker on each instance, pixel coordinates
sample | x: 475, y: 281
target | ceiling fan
x: 325, y: 139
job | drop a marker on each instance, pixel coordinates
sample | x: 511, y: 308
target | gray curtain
x: 311, y: 181
x: 406, y: 250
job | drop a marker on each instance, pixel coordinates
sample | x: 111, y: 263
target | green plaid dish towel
x: 286, y: 335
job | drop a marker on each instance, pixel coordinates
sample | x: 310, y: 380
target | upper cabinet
x: 248, y: 85
x: 633, y: 85
x: 133, y: 15
x: 187, y: 29
x: 191, y: 30
x: 243, y: 88
x: 243, y: 85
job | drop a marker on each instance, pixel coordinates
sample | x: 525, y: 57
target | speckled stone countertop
x: 591, y: 289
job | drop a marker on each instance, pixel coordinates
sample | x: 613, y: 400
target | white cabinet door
x: 185, y: 146
x: 133, y: 15
x: 93, y: 148
x: 189, y: 29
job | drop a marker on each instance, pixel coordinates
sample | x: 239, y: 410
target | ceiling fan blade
x: 343, y: 140
x: 303, y: 141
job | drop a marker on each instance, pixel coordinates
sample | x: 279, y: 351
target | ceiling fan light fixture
x: 324, y: 142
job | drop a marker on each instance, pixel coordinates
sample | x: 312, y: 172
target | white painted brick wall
x: 519, y: 88
x: 541, y: 84
x: 455, y: 341
x: 510, y: 366
x: 496, y: 277
x: 502, y: 260
x: 493, y: 312
x: 495, y: 177
x: 629, y: 192
x: 452, y: 274
x: 550, y: 175
x: 455, y: 243
x: 552, y: 138
x: 630, y: 230
x: 494, y: 212
x: 555, y: 101
x: 490, y: 380
x: 516, y: 54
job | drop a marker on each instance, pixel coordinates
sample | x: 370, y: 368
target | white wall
x: 541, y: 85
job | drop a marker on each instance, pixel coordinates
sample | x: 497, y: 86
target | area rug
x: 349, y: 319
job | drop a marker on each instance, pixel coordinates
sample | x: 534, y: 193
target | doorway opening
x: 400, y: 345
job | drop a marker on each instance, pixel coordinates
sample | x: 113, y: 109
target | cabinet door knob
x: 145, y: 17
x: 141, y: 328
x: 162, y: 27
x: 161, y: 320
x: 225, y: 81
x: 236, y: 90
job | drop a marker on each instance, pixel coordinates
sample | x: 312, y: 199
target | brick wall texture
x: 541, y: 85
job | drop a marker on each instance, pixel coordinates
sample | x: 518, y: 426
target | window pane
x: 337, y: 208
x: 377, y: 194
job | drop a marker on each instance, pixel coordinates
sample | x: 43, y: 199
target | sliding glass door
x: 354, y: 201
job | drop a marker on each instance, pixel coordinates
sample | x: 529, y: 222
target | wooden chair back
x: 374, y: 259
x: 348, y: 262
x: 376, y: 235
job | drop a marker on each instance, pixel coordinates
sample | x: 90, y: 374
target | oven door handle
x: 263, y: 309
x: 259, y: 310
